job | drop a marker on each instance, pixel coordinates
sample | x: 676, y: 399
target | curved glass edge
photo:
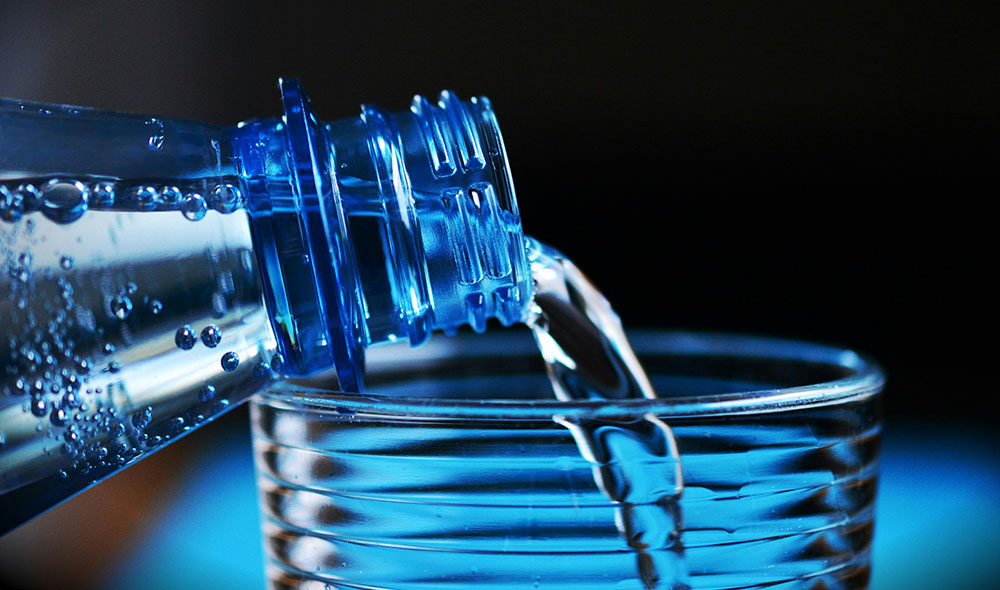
x: 866, y: 380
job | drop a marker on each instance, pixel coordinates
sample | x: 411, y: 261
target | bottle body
x: 158, y: 272
x: 121, y: 293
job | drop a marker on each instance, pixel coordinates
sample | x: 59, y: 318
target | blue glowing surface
x: 209, y: 534
x: 937, y: 523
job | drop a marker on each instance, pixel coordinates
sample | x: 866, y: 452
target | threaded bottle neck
x: 435, y: 186
x: 382, y: 226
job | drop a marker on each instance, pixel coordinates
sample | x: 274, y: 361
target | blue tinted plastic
x: 381, y: 227
x: 156, y: 272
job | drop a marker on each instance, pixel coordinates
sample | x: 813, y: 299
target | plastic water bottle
x: 156, y: 272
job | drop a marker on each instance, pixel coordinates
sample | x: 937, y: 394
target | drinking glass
x: 458, y: 469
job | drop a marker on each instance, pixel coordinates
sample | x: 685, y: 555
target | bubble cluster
x: 65, y: 200
x: 45, y: 338
x: 142, y: 418
x: 77, y: 334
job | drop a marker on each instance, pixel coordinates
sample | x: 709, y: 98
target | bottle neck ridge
x: 381, y: 227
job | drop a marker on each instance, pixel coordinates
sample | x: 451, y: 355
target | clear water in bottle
x: 110, y: 320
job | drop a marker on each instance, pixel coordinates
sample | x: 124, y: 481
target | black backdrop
x: 814, y: 170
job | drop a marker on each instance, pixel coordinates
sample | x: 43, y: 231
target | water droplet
x: 194, y: 207
x: 66, y: 263
x: 102, y: 195
x: 155, y: 306
x: 142, y: 418
x: 206, y: 393
x: 114, y: 367
x: 230, y: 361
x: 21, y: 273
x: 277, y: 362
x: 170, y: 196
x: 83, y: 366
x: 70, y: 400
x: 121, y: 306
x: 39, y: 407
x: 262, y: 369
x: 226, y: 198
x: 185, y: 338
x: 211, y: 335
x: 176, y: 423
x: 31, y: 198
x: 146, y: 198
x: 10, y: 205
x: 64, y: 201
x: 58, y: 416
x: 155, y: 133
x: 131, y: 287
x: 108, y: 348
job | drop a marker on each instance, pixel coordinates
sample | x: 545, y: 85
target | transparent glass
x: 456, y: 470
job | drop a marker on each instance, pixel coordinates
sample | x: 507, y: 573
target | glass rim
x: 865, y: 380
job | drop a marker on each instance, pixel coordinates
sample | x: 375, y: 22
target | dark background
x: 816, y: 170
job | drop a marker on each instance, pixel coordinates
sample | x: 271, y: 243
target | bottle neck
x: 381, y: 227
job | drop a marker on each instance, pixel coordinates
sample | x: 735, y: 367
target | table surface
x: 937, y: 517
